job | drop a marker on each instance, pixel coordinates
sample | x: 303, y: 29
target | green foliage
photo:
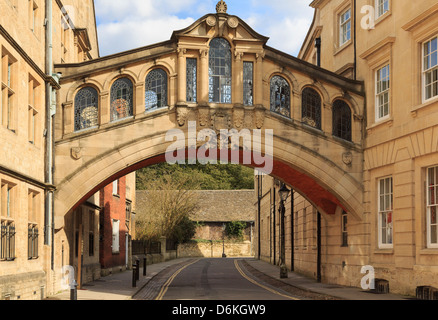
x: 185, y: 230
x: 204, y: 177
x: 234, y: 229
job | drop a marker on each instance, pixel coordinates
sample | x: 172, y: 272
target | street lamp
x: 284, y: 194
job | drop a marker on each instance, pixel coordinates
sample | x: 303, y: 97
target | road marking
x: 260, y: 285
x: 169, y: 281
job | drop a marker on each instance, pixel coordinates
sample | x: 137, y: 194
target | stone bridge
x: 114, y: 113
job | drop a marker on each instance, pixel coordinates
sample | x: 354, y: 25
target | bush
x: 235, y: 229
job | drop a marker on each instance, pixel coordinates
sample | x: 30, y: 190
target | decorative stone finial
x: 221, y: 7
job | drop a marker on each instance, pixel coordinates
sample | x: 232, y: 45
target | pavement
x: 119, y: 286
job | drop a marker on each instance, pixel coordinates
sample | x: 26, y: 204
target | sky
x: 128, y: 24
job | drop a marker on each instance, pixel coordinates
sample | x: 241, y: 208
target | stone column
x: 203, y: 72
x: 258, y: 80
x: 182, y: 76
x: 105, y: 108
x: 139, y: 102
x: 237, y: 93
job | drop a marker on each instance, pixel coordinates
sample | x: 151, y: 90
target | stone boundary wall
x: 214, y: 249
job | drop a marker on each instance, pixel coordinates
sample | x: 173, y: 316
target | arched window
x: 311, y: 108
x: 121, y: 99
x: 156, y: 89
x: 86, y: 109
x: 342, y: 120
x: 219, y: 71
x: 280, y: 96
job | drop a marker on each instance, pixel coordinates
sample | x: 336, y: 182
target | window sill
x: 388, y: 251
x: 425, y: 104
x: 429, y: 251
x: 343, y: 47
x: 383, y: 17
x: 387, y: 121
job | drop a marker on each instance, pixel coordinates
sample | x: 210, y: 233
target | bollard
x: 134, y: 276
x: 144, y: 266
x: 137, y: 275
x: 74, y: 291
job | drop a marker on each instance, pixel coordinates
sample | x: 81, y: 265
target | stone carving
x: 221, y: 7
x: 221, y: 120
x: 259, y: 118
x: 211, y: 21
x: 347, y: 158
x: 203, y: 116
x: 76, y: 153
x: 233, y: 22
x: 181, y: 115
x: 238, y: 115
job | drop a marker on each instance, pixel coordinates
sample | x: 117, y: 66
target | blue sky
x: 129, y: 24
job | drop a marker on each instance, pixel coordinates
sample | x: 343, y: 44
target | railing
x: 145, y: 247
x: 7, y: 242
x: 171, y: 245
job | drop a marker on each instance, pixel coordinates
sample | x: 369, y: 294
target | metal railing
x: 7, y: 241
x: 145, y: 247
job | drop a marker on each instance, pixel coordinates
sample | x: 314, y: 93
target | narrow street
x: 210, y: 279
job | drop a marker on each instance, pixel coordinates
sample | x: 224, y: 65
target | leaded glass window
x: 219, y: 71
x: 311, y: 108
x: 341, y: 120
x: 192, y: 69
x: 280, y: 96
x: 86, y: 109
x: 121, y: 99
x: 156, y: 89
x: 248, y: 73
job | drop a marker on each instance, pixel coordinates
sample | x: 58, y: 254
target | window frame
x: 163, y: 101
x: 192, y: 74
x: 224, y: 81
x: 379, y: 5
x: 381, y: 212
x: 273, y: 96
x: 316, y: 108
x: 248, y: 84
x: 342, y: 24
x: 115, y: 246
x: 430, y: 70
x: 378, y: 94
x: 78, y: 127
x: 125, y: 84
x: 431, y: 245
x: 350, y: 133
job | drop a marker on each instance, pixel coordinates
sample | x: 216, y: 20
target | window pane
x: 192, y: 80
x: 248, y: 83
x: 280, y: 96
x: 434, y: 235
x: 311, y: 108
x: 156, y: 90
x: 220, y: 68
x: 121, y: 99
x: 86, y: 109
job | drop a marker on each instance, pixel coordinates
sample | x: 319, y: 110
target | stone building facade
x: 391, y: 47
x: 35, y: 35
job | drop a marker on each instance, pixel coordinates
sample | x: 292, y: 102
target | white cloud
x: 129, y: 24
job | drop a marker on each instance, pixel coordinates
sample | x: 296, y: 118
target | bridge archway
x: 325, y: 169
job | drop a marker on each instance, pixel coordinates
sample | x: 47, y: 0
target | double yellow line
x: 260, y: 285
x: 167, y: 284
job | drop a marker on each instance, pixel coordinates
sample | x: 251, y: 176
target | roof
x: 215, y: 205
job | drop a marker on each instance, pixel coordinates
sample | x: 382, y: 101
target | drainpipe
x: 318, y: 51
x: 292, y: 231
x: 355, y: 41
x: 49, y: 216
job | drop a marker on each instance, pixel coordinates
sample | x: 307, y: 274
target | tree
x: 203, y: 177
x: 170, y: 203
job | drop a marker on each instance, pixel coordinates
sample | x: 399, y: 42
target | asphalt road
x: 217, y: 279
